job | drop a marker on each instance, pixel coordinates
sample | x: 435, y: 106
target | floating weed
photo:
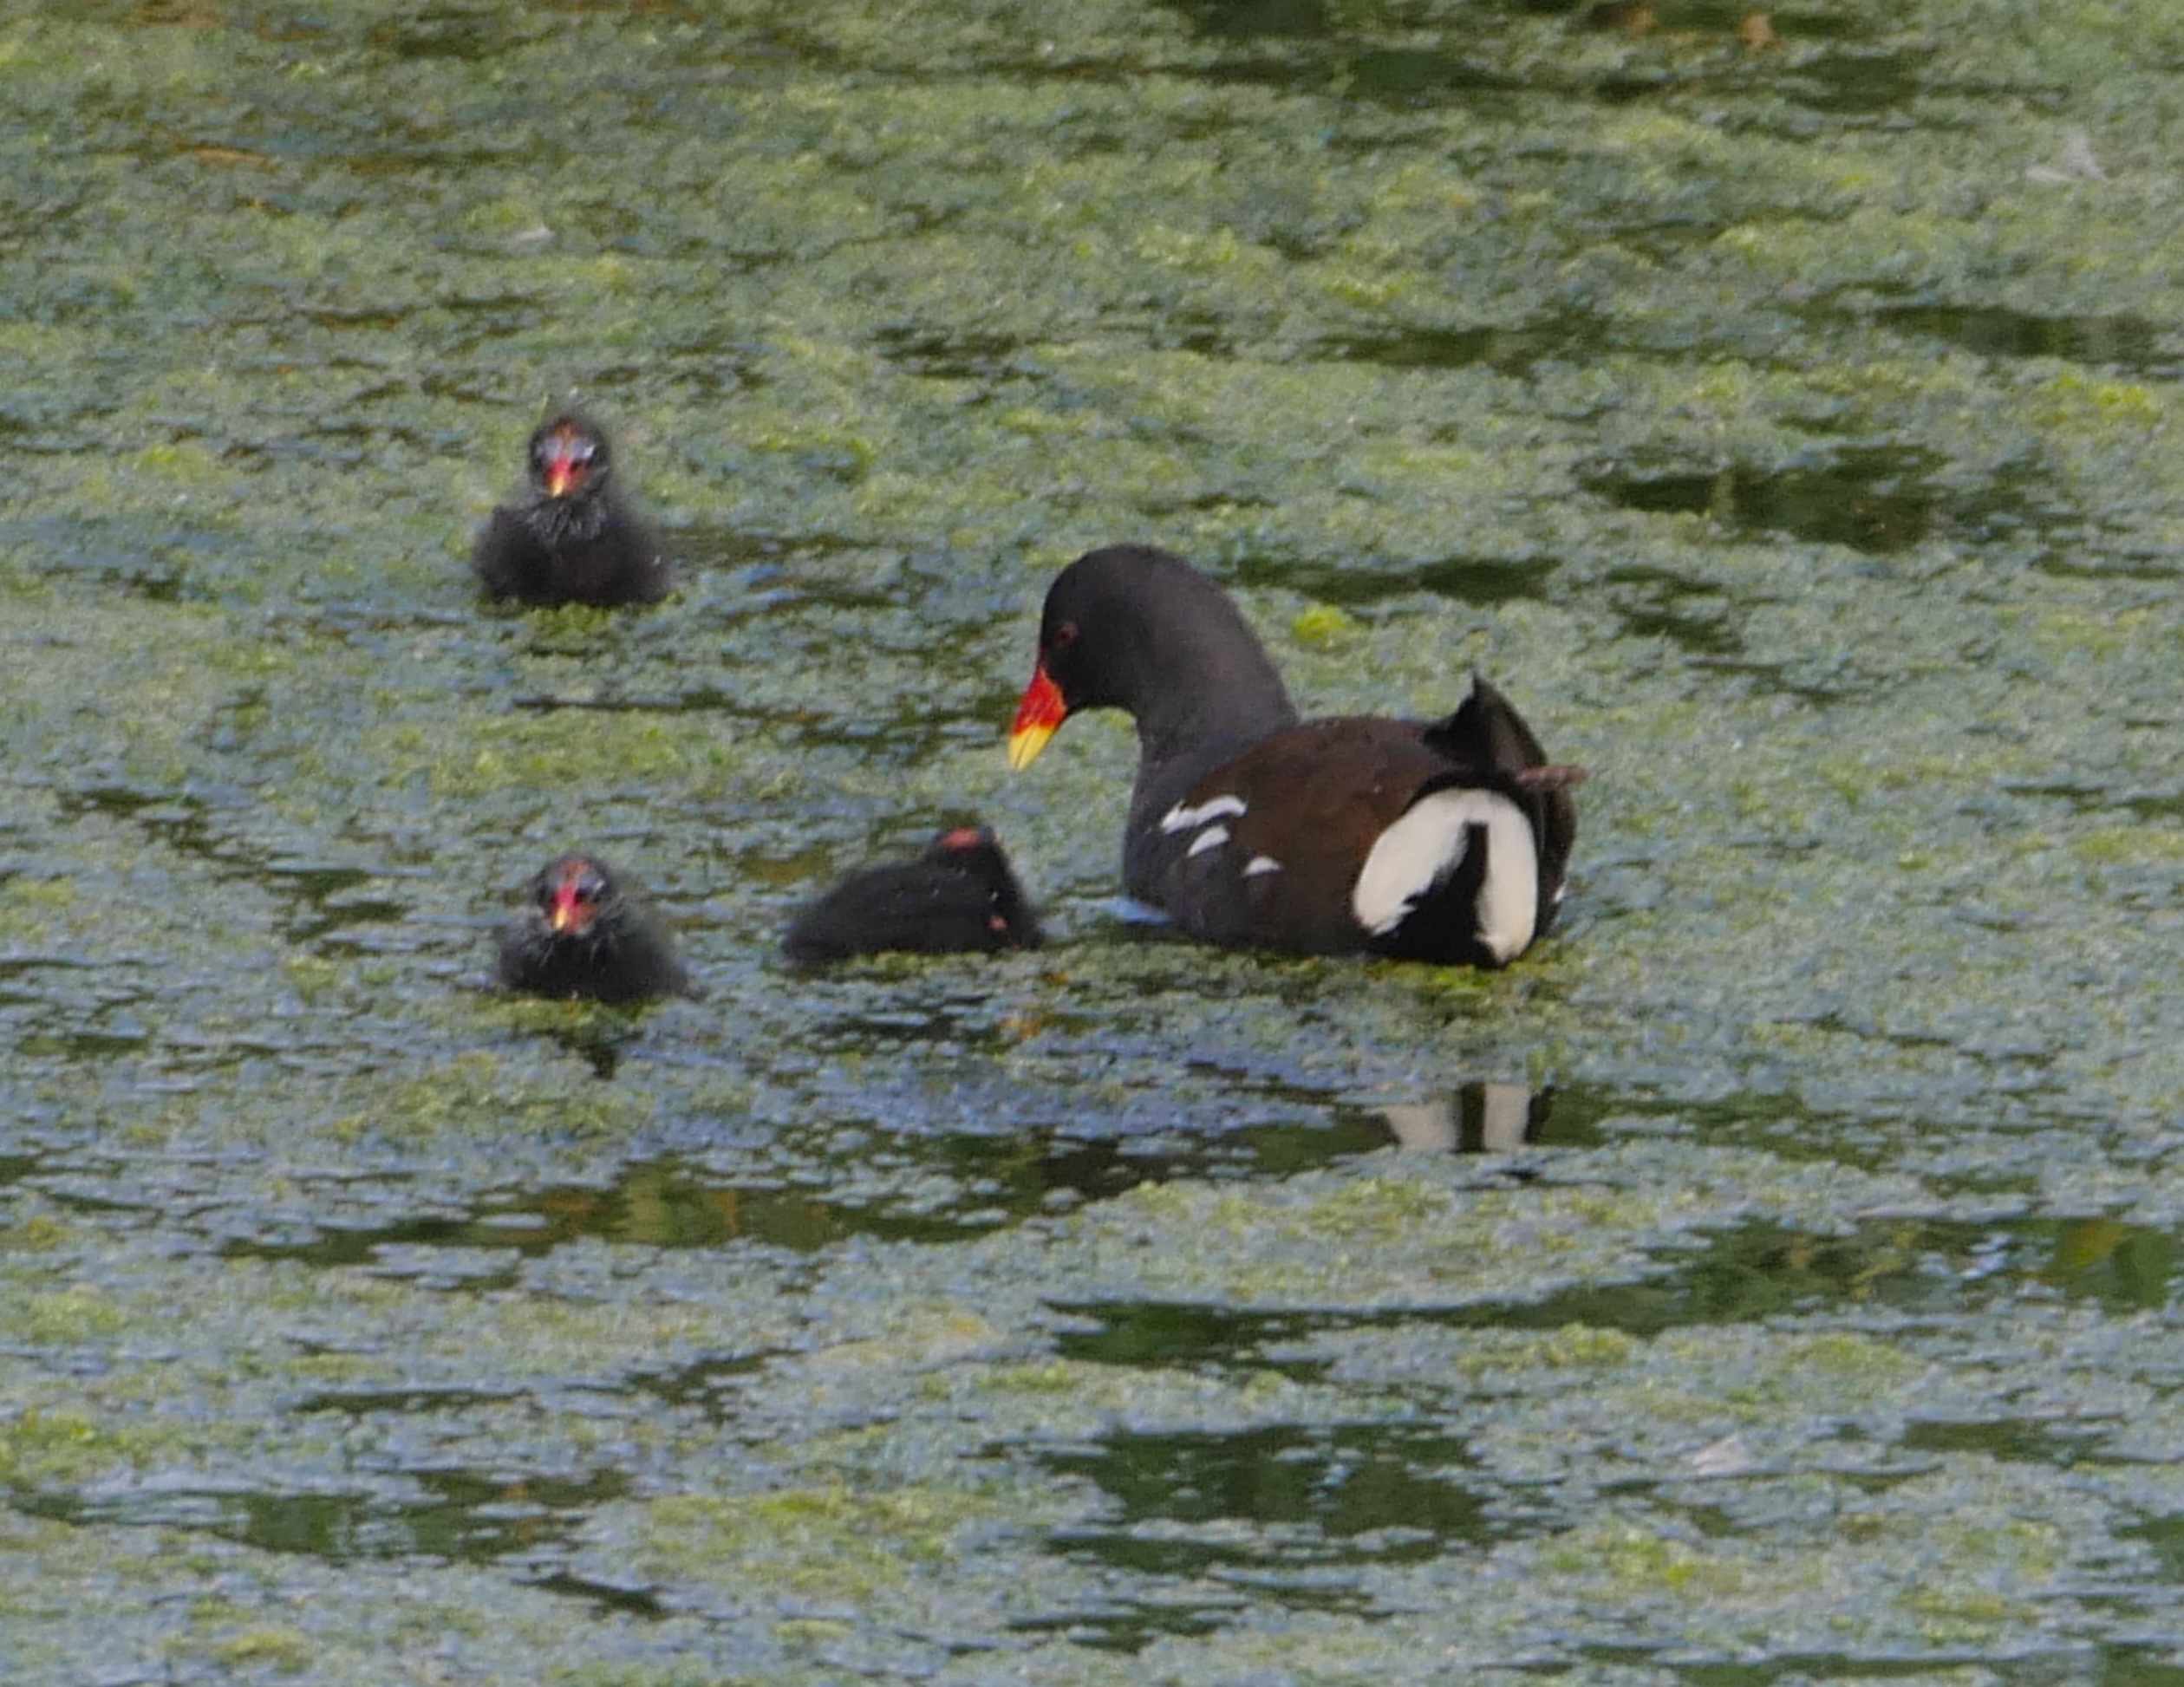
x: 2098, y: 406
x: 595, y: 751
x: 1579, y: 1347
x: 1848, y: 1358
x: 39, y: 1234
x: 44, y: 1448
x: 655, y: 1675
x: 831, y: 1542
x: 1374, y: 1207
x: 1323, y: 625
x: 65, y: 1318
x: 1055, y: 1376
x: 284, y: 1650
x: 1638, y: 1560
x: 478, y: 1091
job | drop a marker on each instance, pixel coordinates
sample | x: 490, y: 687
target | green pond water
x: 1774, y: 1279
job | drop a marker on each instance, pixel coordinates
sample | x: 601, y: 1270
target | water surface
x: 1772, y: 1278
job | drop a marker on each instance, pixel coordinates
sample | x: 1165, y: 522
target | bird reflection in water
x: 1477, y: 1118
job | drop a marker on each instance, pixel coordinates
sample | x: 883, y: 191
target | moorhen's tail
x: 1486, y: 735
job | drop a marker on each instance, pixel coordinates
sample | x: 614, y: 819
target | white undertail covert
x: 1428, y: 843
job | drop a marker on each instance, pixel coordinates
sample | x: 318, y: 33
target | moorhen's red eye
x: 1063, y: 636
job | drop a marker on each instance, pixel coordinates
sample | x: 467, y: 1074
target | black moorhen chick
x: 960, y: 896
x: 571, y: 540
x: 581, y: 932
x: 1443, y: 842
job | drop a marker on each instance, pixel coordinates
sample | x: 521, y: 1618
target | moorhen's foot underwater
x: 958, y: 897
x: 571, y: 540
x: 1445, y: 842
x: 584, y: 932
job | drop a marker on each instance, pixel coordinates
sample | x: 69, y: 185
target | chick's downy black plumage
x: 570, y: 539
x: 583, y: 932
x: 958, y: 897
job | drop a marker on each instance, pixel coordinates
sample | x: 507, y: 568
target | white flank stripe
x: 1426, y: 845
x: 1180, y: 819
x: 1261, y: 864
x: 1212, y: 838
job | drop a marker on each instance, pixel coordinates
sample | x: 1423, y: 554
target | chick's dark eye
x: 1063, y: 636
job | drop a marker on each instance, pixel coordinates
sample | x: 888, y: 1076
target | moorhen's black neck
x: 1159, y: 639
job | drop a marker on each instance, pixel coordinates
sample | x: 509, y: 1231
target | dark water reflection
x: 1283, y: 1513
x: 1880, y: 500
x: 1356, y: 585
x: 1511, y: 350
x: 1301, y: 44
x: 674, y: 1202
x: 1744, y: 1275
x: 2119, y: 342
x: 1245, y: 20
x: 461, y: 1515
x: 671, y: 1203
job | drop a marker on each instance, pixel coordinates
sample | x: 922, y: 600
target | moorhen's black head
x: 1131, y: 627
x: 569, y: 457
x: 975, y: 851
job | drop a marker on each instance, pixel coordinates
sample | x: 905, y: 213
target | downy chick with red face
x: 570, y: 539
x: 583, y: 932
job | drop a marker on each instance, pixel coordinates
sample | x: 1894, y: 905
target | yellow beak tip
x: 1024, y: 746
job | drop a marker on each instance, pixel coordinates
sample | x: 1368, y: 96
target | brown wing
x: 1314, y: 800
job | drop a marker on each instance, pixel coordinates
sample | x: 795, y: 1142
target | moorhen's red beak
x: 564, y: 470
x: 569, y: 913
x: 1038, y: 716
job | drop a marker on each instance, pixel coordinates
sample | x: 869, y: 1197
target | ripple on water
x: 865, y: 1181
x: 1510, y: 349
x: 1289, y: 1512
x: 2124, y: 342
x: 1878, y: 499
x: 1245, y: 20
x: 1478, y: 581
x: 467, y: 1516
x: 1939, y: 1268
x: 954, y: 354
x: 328, y: 905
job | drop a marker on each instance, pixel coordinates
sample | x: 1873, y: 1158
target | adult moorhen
x: 1444, y: 842
x: 571, y: 540
x: 960, y: 896
x: 583, y: 932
